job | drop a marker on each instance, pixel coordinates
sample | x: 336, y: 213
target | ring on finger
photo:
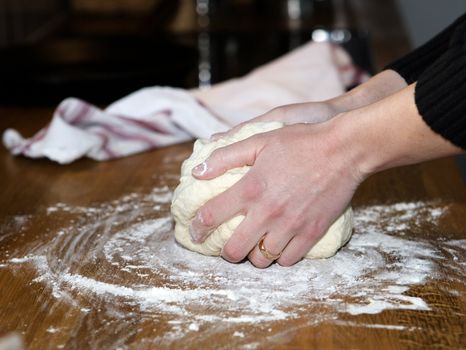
x: 268, y: 255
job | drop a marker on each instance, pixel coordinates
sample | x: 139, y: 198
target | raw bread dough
x: 191, y: 194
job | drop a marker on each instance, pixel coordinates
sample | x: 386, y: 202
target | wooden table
x: 30, y: 218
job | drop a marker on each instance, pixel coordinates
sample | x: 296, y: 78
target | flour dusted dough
x: 191, y: 194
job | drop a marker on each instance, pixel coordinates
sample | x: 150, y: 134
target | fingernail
x: 195, y: 237
x: 216, y: 136
x: 200, y: 169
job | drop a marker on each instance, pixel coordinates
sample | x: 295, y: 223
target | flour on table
x: 191, y: 194
x: 140, y: 274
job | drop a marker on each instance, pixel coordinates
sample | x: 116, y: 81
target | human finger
x: 269, y: 248
x: 297, y: 248
x: 236, y: 155
x: 244, y: 239
x: 215, y: 212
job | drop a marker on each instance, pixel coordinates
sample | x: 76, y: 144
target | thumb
x: 236, y: 155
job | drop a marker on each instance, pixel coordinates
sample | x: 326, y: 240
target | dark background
x: 101, y: 50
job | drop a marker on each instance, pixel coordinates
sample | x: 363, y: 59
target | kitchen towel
x: 160, y: 116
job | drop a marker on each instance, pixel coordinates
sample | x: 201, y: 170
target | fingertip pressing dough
x: 191, y: 194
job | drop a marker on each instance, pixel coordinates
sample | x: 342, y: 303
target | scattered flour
x: 238, y: 334
x: 20, y: 260
x: 372, y: 325
x: 194, y: 327
x: 52, y: 330
x: 137, y: 264
x: 14, y: 225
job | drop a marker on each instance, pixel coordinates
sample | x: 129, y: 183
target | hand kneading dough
x: 191, y: 194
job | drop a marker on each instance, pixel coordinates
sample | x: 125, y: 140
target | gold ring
x: 265, y: 252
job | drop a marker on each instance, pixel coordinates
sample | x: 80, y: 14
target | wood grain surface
x: 29, y: 307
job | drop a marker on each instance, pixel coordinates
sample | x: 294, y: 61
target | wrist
x: 338, y: 105
x: 373, y: 136
x: 389, y: 133
x: 347, y: 132
x: 359, y: 135
x: 377, y: 88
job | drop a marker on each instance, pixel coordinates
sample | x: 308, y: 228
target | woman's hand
x: 302, y: 177
x: 377, y: 88
x: 309, y: 112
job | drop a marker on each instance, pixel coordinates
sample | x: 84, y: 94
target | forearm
x: 375, y: 89
x: 390, y: 133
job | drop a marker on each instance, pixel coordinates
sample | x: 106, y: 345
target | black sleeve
x: 440, y: 92
x: 411, y: 66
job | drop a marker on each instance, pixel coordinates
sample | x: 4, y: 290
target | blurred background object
x: 113, y: 7
x: 425, y: 18
x: 23, y: 21
x: 102, y: 50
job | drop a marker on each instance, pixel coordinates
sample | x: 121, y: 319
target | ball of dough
x: 191, y: 194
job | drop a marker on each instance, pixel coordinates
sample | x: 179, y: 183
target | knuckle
x: 294, y: 224
x: 277, y: 112
x: 259, y: 261
x: 308, y: 235
x: 313, y: 230
x: 287, y: 261
x: 206, y: 216
x: 217, y: 157
x: 233, y: 253
x: 290, y: 223
x: 217, y: 154
x: 253, y: 189
x: 274, y: 208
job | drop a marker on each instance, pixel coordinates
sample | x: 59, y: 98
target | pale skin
x: 304, y: 175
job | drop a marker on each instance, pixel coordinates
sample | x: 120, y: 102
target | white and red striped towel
x: 160, y: 116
